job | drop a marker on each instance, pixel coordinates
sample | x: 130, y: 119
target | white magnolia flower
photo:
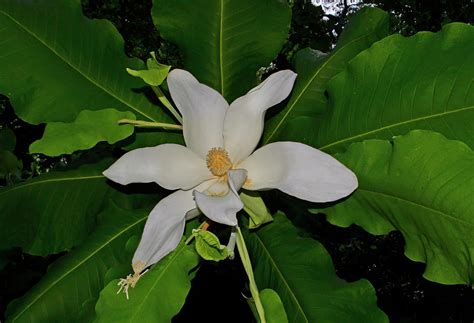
x: 217, y: 161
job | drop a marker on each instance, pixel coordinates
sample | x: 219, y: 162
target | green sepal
x: 255, y: 208
x: 155, y: 73
x: 209, y: 247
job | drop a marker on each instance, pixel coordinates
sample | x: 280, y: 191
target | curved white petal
x: 203, y: 110
x: 223, y: 209
x: 243, y: 124
x: 171, y: 166
x: 237, y: 179
x: 298, y: 170
x: 164, y: 228
x: 218, y: 188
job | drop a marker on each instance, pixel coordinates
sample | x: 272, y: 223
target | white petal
x: 223, y: 209
x: 243, y: 125
x: 191, y: 214
x: 218, y: 188
x: 164, y: 228
x: 165, y: 225
x: 203, y: 110
x: 171, y: 166
x: 237, y: 179
x: 298, y: 170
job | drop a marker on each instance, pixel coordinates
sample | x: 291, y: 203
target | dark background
x: 402, y: 292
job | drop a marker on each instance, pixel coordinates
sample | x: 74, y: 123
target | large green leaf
x: 301, y: 272
x: 73, y: 283
x: 55, y: 62
x: 400, y: 84
x: 52, y: 212
x: 89, y: 128
x: 422, y: 185
x: 315, y: 69
x: 224, y: 42
x: 158, y: 295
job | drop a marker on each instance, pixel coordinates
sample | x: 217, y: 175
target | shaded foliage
x: 402, y: 293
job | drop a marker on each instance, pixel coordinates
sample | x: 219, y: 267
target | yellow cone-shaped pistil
x: 218, y: 161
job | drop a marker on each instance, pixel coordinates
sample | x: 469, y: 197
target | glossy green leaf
x: 301, y: 272
x: 7, y: 139
x: 255, y: 207
x: 224, y: 42
x: 155, y: 73
x: 158, y: 295
x: 209, y: 247
x: 55, y: 62
x: 401, y: 84
x: 72, y: 284
x: 89, y: 128
x: 421, y: 184
x: 52, y: 212
x: 274, y: 309
x: 315, y: 69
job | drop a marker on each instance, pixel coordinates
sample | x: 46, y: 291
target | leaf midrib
x: 221, y: 29
x: 405, y: 122
x: 80, y: 264
x: 318, y: 71
x: 389, y: 196
x: 52, y: 180
x: 293, y: 296
x: 76, y: 68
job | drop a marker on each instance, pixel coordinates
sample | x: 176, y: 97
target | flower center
x: 218, y: 161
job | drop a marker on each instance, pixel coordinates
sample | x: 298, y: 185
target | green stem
x: 166, y: 103
x: 148, y: 124
x: 244, y: 256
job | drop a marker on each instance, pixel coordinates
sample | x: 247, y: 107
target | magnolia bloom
x: 218, y: 161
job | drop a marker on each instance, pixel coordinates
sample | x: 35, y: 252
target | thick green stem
x: 166, y: 103
x: 244, y: 256
x: 148, y: 124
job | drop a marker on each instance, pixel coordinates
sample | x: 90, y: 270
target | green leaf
x: 89, y: 128
x: 52, y: 212
x: 315, y: 69
x: 9, y: 165
x: 55, y: 62
x: 72, y: 284
x: 209, y: 247
x: 274, y: 309
x: 301, y: 272
x: 401, y: 84
x: 158, y: 295
x: 155, y: 73
x: 421, y: 184
x: 7, y: 140
x: 224, y: 42
x: 255, y: 207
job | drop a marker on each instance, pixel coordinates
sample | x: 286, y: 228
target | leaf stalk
x: 160, y: 95
x: 244, y: 256
x: 148, y: 124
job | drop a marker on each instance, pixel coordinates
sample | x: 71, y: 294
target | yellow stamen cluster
x: 218, y: 161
